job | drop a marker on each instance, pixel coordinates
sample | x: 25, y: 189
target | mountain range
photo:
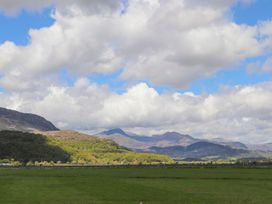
x: 176, y: 145
x: 182, y: 147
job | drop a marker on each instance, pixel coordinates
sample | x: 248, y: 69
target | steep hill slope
x: 14, y: 120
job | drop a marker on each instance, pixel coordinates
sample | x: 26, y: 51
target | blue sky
x: 16, y: 29
x: 251, y: 14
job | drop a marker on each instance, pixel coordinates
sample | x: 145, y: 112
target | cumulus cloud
x: 166, y: 43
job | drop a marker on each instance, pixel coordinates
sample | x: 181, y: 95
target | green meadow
x: 135, y: 185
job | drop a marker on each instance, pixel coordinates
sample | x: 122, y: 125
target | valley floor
x: 133, y: 185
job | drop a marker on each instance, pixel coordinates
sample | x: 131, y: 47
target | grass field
x: 125, y: 186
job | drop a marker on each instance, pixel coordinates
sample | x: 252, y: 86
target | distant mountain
x: 261, y: 147
x: 134, y: 141
x: 199, y: 150
x: 14, y: 120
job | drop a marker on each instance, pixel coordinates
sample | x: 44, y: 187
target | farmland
x: 135, y: 185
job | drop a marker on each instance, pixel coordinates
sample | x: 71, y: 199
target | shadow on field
x: 25, y: 147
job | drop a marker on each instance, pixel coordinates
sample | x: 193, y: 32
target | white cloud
x: 165, y: 43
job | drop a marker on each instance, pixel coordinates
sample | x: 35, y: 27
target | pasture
x: 135, y: 185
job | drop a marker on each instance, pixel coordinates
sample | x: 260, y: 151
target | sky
x: 147, y: 66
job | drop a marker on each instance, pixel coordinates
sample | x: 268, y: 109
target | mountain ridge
x: 18, y: 121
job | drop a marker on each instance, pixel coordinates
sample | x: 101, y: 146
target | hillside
x: 14, y: 120
x: 71, y: 147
